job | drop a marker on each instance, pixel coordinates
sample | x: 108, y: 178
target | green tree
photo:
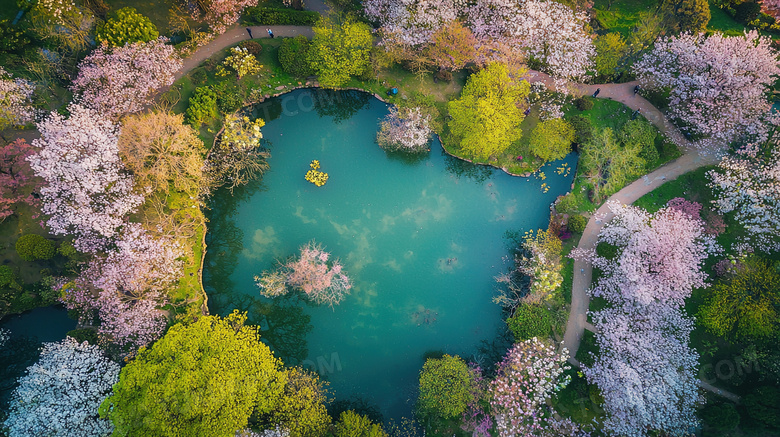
x: 530, y: 320
x: 126, y: 26
x: 692, y: 15
x: 745, y: 306
x: 721, y: 417
x: 486, y: 118
x: 202, y: 106
x: 607, y: 165
x: 240, y: 61
x: 301, y: 408
x: 33, y: 247
x: 640, y: 134
x: 551, y: 139
x: 340, y: 49
x: 203, y: 379
x: 445, y: 387
x: 352, y: 424
x: 294, y: 56
x: 610, y: 49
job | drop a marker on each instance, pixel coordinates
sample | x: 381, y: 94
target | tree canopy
x: 203, y: 379
x: 445, y: 387
x: 486, y: 118
x: 339, y: 49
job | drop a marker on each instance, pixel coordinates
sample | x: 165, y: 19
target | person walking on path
x: 249, y: 31
x: 598, y: 90
x: 636, y: 89
x: 270, y: 33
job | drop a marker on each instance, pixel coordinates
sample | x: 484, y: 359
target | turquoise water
x: 422, y: 240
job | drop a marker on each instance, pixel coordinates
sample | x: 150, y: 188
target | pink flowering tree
x: 406, y: 130
x: 115, y: 81
x: 554, y: 36
x: 87, y: 192
x: 645, y: 368
x: 131, y: 281
x: 17, y: 181
x: 529, y: 375
x: 660, y: 256
x: 15, y: 104
x: 60, y: 394
x: 319, y: 277
x: 717, y: 84
x: 747, y: 184
x: 223, y: 13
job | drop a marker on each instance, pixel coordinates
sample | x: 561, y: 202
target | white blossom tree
x: 411, y: 22
x: 747, y: 183
x: 60, y: 394
x: 87, y: 192
x: 717, y: 84
x: 553, y: 35
x: 407, y: 130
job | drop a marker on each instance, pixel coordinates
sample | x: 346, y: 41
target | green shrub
x: 202, y: 107
x: 272, y: 16
x: 294, y: 56
x: 607, y: 251
x: 33, y: 247
x: 577, y: 223
x: 252, y: 47
x: 747, y: 12
x: 583, y: 129
x: 530, y: 320
x: 228, y: 97
x: 446, y: 386
x: 583, y: 103
x: 720, y: 417
x: 566, y: 204
x: 352, y: 424
x: 126, y: 26
x: 8, y: 279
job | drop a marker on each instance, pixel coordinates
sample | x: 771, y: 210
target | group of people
x: 249, y: 31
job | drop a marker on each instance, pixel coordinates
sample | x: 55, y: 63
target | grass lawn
x: 622, y: 15
x: 721, y: 21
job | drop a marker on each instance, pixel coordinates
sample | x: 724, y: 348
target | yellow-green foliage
x: 339, y: 50
x: 240, y: 61
x: 486, y: 118
x: 551, y: 139
x: 315, y: 176
x: 610, y: 48
x: 126, y: 26
x: 301, y: 409
x: 204, y: 379
x: 745, y: 306
x: 352, y: 424
x: 445, y: 387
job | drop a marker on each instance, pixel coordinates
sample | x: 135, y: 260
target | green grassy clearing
x: 621, y: 15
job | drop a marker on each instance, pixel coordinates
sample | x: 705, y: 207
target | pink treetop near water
x: 322, y: 282
x: 717, y: 84
x: 17, y: 180
x: 661, y: 255
x: 530, y: 373
x: 115, y: 81
x: 87, y: 192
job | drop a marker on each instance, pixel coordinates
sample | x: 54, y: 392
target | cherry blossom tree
x: 115, y: 81
x: 87, y: 193
x: 17, y: 181
x: 15, y: 104
x: 553, y: 34
x: 64, y: 22
x: 529, y: 375
x: 660, y: 256
x: 717, y: 85
x: 645, y: 369
x: 407, y: 130
x: 313, y: 272
x: 60, y: 394
x: 222, y: 13
x: 747, y: 184
x: 410, y: 22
